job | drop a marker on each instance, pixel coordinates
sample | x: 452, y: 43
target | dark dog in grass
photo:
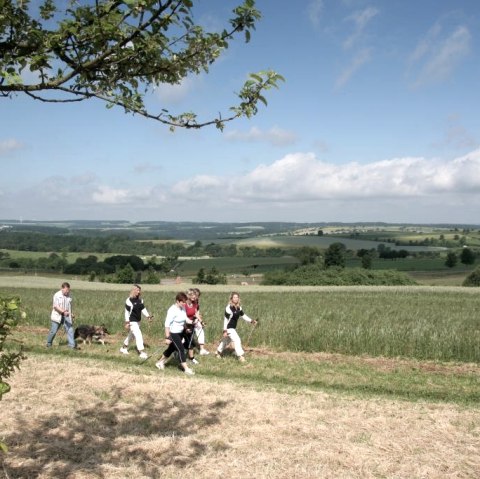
x: 88, y: 334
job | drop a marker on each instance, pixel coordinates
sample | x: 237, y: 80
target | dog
x: 88, y: 334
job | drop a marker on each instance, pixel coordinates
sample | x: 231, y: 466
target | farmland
x: 377, y: 381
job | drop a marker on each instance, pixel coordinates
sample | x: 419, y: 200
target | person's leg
x: 178, y: 344
x: 52, y: 333
x: 126, y: 341
x: 200, y: 333
x: 69, y: 330
x: 237, y: 342
x: 188, y: 344
x: 137, y: 334
x: 223, y: 344
x: 167, y: 354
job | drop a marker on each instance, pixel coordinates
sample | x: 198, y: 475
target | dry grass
x: 70, y: 417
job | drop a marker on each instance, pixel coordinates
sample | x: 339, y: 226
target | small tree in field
x: 9, y: 360
x: 367, y: 261
x: 467, y: 256
x: 118, y: 51
x: 451, y: 259
x: 335, y: 255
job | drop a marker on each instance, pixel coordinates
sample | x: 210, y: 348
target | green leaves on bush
x: 10, y: 314
x: 312, y: 275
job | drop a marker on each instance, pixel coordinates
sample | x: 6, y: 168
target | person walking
x: 199, y: 327
x: 134, y: 308
x: 233, y: 312
x: 191, y: 310
x: 62, y: 314
x: 174, y: 333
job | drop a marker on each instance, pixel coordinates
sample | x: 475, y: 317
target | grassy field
x: 411, y: 322
x: 337, y: 384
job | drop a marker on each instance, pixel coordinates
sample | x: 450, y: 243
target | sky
x: 378, y: 120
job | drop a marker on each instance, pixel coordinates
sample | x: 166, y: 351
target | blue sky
x: 378, y: 120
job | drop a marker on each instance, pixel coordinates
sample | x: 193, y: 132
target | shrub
x: 311, y: 275
x: 473, y: 279
x: 9, y: 361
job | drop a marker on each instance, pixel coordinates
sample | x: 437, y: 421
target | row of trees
x: 121, y: 244
x: 466, y: 257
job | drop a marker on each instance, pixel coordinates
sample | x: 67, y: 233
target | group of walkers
x: 184, y: 326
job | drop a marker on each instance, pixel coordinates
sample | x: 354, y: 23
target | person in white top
x: 62, y: 314
x: 233, y: 312
x: 174, y: 333
x: 134, y: 308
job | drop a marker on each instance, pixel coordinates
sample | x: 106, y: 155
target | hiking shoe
x: 204, y: 352
x: 124, y: 350
x: 143, y: 355
x: 160, y: 364
x: 241, y: 359
x: 194, y: 361
x: 189, y: 372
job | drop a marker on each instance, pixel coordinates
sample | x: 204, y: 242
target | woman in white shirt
x: 174, y: 332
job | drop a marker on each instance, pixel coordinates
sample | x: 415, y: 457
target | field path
x: 83, y: 418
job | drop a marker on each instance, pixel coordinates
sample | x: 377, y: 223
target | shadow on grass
x: 113, y: 432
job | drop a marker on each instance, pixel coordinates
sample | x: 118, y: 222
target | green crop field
x: 235, y: 264
x: 411, y: 322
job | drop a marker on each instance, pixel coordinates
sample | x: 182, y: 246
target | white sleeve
x: 128, y: 310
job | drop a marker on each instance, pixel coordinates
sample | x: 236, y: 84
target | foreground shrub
x: 9, y: 317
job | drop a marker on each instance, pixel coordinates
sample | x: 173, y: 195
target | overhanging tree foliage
x: 117, y: 51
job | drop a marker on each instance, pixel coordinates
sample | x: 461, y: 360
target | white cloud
x: 456, y: 136
x: 146, y: 167
x: 361, y: 57
x: 360, y: 20
x: 109, y: 196
x: 436, y: 56
x: 297, y: 187
x: 174, y: 94
x: 7, y: 146
x: 200, y: 186
x: 314, y: 10
x: 302, y: 177
x: 275, y: 136
x: 356, y: 43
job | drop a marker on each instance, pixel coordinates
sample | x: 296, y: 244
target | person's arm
x: 58, y: 305
x: 167, y: 336
x: 246, y: 318
x: 168, y: 322
x: 146, y: 313
x: 128, y: 311
x: 226, y: 318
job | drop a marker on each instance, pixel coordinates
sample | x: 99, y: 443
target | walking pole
x: 247, y: 342
x: 155, y: 353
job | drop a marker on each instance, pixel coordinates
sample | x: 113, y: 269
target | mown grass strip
x: 301, y: 373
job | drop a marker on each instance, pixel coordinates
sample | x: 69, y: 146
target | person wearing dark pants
x: 174, y: 331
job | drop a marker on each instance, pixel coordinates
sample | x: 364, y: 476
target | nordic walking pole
x: 255, y: 322
x: 153, y: 354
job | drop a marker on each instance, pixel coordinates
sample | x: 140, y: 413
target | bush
x: 473, y: 279
x: 9, y: 361
x: 314, y: 276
